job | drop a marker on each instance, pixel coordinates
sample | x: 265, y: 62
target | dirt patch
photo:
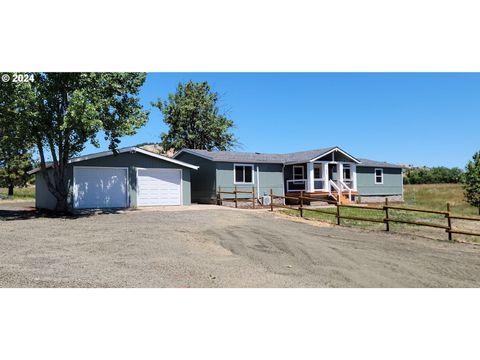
x: 217, y: 247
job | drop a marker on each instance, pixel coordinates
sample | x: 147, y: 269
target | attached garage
x: 132, y: 177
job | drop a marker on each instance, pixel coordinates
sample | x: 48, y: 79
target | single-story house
x: 322, y: 172
x: 132, y: 177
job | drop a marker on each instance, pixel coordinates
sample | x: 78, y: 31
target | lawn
x: 434, y: 197
x: 26, y: 193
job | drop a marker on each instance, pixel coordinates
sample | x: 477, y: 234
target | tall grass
x: 436, y: 196
x: 26, y: 193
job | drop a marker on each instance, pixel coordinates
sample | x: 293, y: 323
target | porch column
x: 325, y: 176
x: 354, y: 177
x: 310, y: 177
x: 340, y: 172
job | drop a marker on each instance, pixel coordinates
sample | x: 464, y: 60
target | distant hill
x: 155, y: 148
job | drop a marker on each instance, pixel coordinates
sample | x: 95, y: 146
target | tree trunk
x: 10, y: 190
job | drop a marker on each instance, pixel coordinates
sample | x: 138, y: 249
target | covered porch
x: 330, y: 175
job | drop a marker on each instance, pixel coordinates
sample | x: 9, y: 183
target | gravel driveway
x: 218, y: 247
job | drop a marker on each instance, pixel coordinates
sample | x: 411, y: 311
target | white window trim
x: 350, y: 168
x: 375, y: 176
x: 321, y: 171
x: 243, y: 183
x: 293, y: 172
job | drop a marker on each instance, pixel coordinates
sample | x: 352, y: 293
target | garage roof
x: 131, y: 149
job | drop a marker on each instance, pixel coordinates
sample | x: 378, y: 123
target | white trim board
x: 132, y: 150
x: 340, y: 151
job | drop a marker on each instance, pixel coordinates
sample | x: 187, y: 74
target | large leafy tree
x: 472, y: 181
x: 194, y: 119
x: 72, y: 109
x: 15, y: 148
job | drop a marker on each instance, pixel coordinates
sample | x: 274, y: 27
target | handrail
x: 339, y: 191
x: 348, y: 188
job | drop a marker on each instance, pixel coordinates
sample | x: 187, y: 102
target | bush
x: 435, y: 175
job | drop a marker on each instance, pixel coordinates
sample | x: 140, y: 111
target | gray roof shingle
x: 288, y: 158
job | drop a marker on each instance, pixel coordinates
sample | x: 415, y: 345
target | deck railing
x: 296, y: 185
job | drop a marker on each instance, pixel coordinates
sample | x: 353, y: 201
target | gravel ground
x: 207, y: 246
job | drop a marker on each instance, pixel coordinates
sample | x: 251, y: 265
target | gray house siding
x: 45, y: 200
x: 203, y: 180
x: 270, y: 177
x: 392, y: 182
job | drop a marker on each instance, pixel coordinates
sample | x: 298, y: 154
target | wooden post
x: 271, y: 200
x: 387, y: 223
x: 301, y: 204
x: 449, y: 219
x: 236, y: 199
x: 338, y: 213
x: 253, y: 196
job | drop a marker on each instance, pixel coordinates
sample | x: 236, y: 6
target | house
x: 133, y: 177
x: 322, y: 172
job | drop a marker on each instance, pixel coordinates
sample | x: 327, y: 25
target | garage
x: 159, y: 187
x: 100, y: 187
x: 127, y: 178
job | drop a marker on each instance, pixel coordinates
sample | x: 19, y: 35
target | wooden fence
x: 448, y: 227
x: 235, y: 197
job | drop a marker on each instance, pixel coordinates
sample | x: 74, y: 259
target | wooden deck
x: 319, y: 193
x: 324, y: 194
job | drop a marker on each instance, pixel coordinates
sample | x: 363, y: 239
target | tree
x: 193, y: 116
x: 71, y: 109
x: 15, y: 149
x: 472, y: 181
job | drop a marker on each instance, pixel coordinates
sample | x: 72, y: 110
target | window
x: 347, y: 173
x: 298, y: 172
x: 317, y: 171
x: 243, y: 174
x: 378, y: 176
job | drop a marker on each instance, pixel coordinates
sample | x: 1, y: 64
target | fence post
x: 301, y: 204
x: 236, y: 200
x: 338, y: 213
x: 220, y: 195
x: 449, y: 219
x: 253, y: 196
x: 387, y: 223
x: 271, y: 200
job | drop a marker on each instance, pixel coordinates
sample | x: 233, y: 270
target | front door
x: 332, y: 172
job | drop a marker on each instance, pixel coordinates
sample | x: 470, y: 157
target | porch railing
x: 344, y: 186
x: 297, y: 185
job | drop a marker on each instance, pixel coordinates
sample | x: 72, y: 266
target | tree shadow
x: 34, y: 213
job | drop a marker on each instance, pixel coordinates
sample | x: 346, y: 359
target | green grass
x: 436, y: 196
x: 431, y: 197
x: 26, y: 193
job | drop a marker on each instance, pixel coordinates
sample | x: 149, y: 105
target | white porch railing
x: 331, y: 184
x: 346, y: 187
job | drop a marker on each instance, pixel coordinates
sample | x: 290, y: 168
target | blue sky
x: 428, y: 119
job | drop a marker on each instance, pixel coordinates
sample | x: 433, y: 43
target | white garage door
x: 159, y: 187
x: 97, y: 187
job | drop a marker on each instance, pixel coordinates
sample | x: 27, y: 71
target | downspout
x: 258, y: 184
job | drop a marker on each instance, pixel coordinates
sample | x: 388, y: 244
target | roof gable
x: 132, y: 149
x: 288, y: 158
